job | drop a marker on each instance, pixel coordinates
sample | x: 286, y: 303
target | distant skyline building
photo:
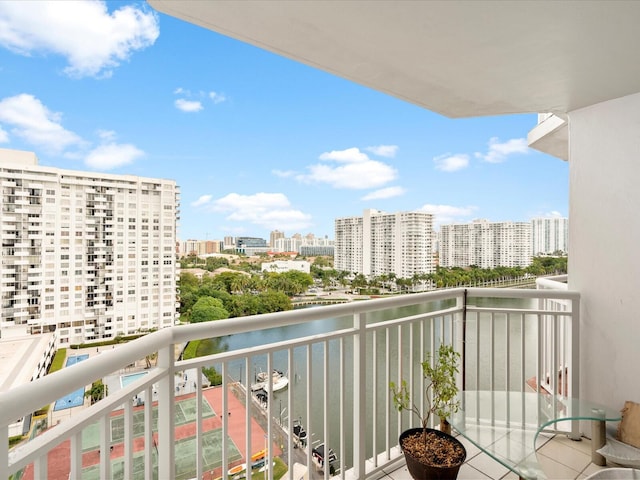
x: 275, y: 234
x: 485, y: 244
x: 199, y: 247
x: 88, y: 255
x: 380, y: 243
x: 549, y: 235
x: 310, y: 243
x: 251, y: 245
x: 297, y: 242
x: 317, y: 251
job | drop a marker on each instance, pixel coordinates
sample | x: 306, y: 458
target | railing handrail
x: 26, y: 398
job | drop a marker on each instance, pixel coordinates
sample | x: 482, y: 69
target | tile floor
x: 560, y: 458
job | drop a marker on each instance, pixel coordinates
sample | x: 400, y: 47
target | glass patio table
x: 505, y: 425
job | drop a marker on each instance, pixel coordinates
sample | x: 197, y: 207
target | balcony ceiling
x: 460, y: 59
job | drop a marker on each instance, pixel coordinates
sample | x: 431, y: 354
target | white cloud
x: 93, y: 41
x: 267, y: 210
x: 217, y: 97
x: 383, y: 150
x: 358, y: 171
x: 448, y: 213
x: 109, y: 156
x: 179, y: 91
x: 107, y: 135
x: 383, y: 193
x: 202, y: 200
x: 4, y: 136
x: 350, y: 155
x: 283, y: 173
x: 188, y: 105
x: 498, y: 152
x: 32, y: 121
x: 451, y: 163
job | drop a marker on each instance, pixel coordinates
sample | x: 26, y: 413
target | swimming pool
x: 75, y: 398
x: 126, y: 380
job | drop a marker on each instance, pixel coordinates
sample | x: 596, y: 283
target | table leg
x: 598, y: 438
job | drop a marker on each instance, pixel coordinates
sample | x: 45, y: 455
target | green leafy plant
x: 441, y: 392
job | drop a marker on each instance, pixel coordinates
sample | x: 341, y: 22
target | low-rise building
x: 281, y: 266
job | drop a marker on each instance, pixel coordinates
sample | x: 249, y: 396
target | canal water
x: 298, y: 379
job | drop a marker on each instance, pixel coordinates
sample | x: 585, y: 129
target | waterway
x: 299, y: 377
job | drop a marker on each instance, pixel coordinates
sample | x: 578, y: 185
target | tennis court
x: 75, y: 398
x: 185, y: 459
x: 185, y: 453
x: 185, y: 412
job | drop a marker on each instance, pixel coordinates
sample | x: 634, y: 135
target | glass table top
x: 505, y: 425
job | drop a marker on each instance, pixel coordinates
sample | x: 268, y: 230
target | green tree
x: 295, y: 282
x: 359, y: 281
x: 273, y: 301
x: 216, y: 262
x: 188, y: 282
x: 207, y: 309
x: 98, y: 391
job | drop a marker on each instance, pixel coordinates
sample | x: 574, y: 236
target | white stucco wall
x: 604, y: 245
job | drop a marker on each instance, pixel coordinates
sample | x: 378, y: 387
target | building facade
x: 380, y: 243
x: 87, y: 255
x: 282, y: 266
x: 297, y: 242
x: 485, y: 244
x: 199, y: 247
x: 273, y: 236
x: 251, y: 245
x: 549, y: 235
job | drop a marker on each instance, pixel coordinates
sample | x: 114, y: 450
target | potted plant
x: 430, y: 453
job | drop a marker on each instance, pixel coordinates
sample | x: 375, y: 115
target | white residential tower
x: 380, y: 243
x: 485, y: 244
x: 88, y: 255
x: 549, y: 235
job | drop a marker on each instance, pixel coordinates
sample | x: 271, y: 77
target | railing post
x: 575, y: 361
x: 359, y: 395
x: 459, y: 341
x: 4, y: 452
x: 166, y: 414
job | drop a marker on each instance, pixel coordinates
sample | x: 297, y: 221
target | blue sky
x: 255, y: 141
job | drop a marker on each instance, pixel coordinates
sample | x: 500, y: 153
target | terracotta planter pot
x: 421, y: 471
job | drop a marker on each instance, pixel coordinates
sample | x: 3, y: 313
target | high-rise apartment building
x: 88, y: 255
x: 380, y: 243
x: 275, y: 235
x: 485, y: 244
x: 549, y: 235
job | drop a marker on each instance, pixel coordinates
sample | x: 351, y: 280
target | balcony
x: 339, y: 359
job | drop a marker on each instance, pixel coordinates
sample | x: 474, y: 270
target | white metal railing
x: 339, y: 359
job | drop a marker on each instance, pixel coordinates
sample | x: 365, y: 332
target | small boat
x: 278, y: 379
x: 319, y: 457
x: 259, y: 455
x: 237, y: 469
x: 299, y: 434
x: 264, y: 468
